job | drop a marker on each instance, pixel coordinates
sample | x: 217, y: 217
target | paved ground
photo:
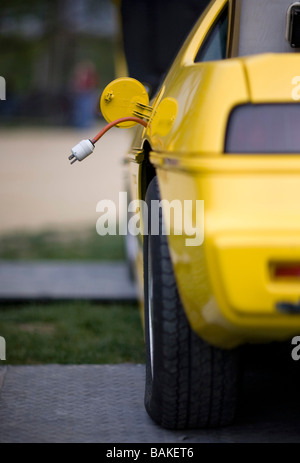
x: 65, y: 280
x: 105, y: 404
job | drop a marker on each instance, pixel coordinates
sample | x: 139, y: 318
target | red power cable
x: 116, y: 122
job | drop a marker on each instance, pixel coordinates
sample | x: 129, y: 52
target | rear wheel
x: 189, y: 383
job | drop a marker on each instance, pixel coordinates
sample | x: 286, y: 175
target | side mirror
x: 293, y: 25
x: 125, y: 97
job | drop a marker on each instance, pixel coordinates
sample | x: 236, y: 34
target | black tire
x: 189, y: 383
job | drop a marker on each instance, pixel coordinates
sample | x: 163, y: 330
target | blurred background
x: 51, y: 53
x: 56, y: 57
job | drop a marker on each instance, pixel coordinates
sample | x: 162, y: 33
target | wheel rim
x: 150, y: 308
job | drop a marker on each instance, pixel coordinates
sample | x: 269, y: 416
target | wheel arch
x: 148, y: 171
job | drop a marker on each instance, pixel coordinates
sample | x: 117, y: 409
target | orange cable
x: 117, y: 121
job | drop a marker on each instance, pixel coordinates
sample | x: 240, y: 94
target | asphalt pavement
x: 104, y: 403
x: 58, y: 280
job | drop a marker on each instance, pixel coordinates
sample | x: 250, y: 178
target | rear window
x: 215, y: 44
x: 264, y: 128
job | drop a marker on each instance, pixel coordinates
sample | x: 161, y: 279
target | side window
x: 215, y: 44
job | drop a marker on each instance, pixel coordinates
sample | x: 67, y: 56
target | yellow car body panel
x: 252, y: 206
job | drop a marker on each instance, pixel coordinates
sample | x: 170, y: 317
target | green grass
x: 74, y: 245
x: 71, y: 333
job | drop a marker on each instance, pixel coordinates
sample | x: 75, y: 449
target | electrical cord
x: 86, y: 147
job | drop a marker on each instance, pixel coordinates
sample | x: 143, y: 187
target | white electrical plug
x: 81, y: 151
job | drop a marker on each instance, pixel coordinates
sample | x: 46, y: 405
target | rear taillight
x: 286, y: 270
x: 264, y: 128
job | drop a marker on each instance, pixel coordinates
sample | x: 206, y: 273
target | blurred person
x: 84, y: 84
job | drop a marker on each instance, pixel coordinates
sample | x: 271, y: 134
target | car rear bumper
x: 245, y: 264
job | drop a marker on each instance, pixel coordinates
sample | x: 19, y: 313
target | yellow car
x: 223, y: 130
